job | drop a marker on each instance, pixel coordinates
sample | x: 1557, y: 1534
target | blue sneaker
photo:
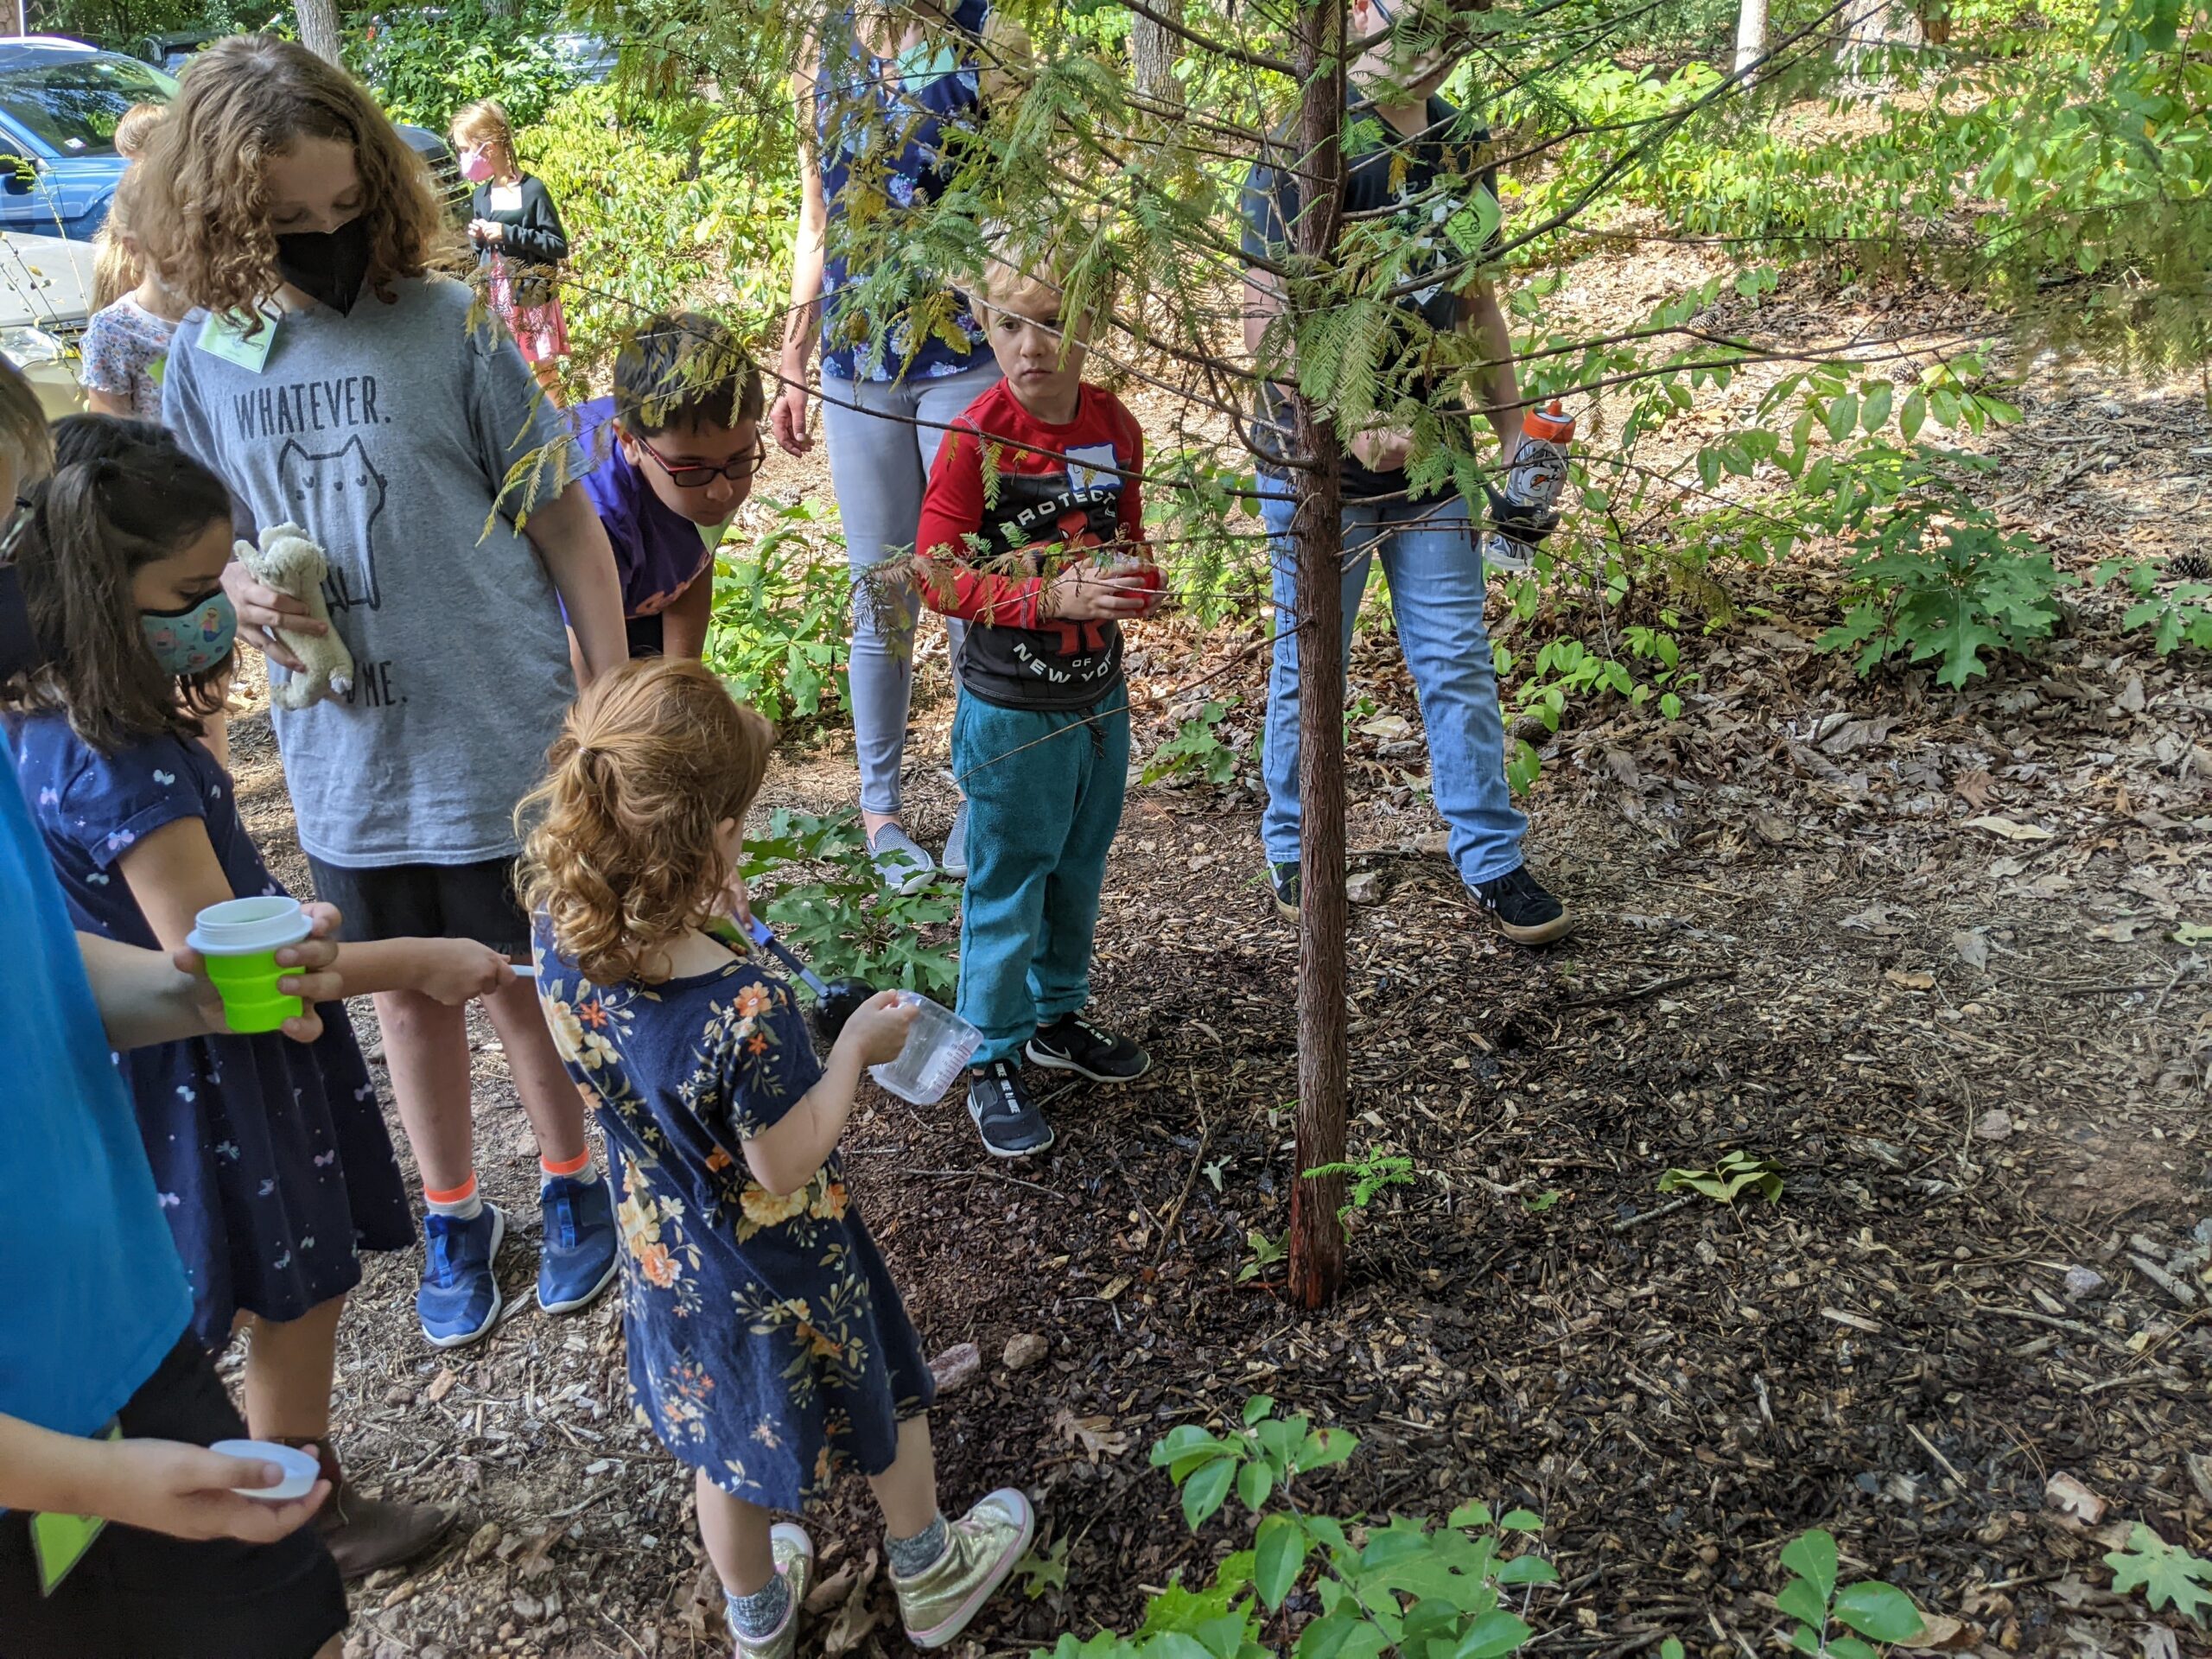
x: 576, y: 1261
x: 459, y: 1298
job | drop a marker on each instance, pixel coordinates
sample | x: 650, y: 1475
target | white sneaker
x: 900, y: 860
x: 955, y: 861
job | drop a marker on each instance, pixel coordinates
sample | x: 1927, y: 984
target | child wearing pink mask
x: 517, y: 231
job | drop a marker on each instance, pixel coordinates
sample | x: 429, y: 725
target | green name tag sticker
x: 60, y: 1540
x: 225, y: 337
x: 158, y: 370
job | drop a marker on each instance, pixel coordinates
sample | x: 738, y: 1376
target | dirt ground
x: 1922, y: 950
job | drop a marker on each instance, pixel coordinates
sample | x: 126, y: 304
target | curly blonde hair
x: 620, y: 854
x: 205, y: 205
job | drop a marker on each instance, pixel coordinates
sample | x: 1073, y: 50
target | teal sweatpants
x: 1044, y: 799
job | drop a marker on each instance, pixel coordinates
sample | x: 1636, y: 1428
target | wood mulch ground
x: 1938, y: 956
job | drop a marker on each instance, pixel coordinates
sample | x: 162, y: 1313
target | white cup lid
x: 240, y: 927
x: 301, y: 1471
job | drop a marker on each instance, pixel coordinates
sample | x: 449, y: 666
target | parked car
x: 59, y: 101
x: 45, y: 293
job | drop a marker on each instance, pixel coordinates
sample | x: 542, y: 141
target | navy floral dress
x: 768, y: 1343
x: 272, y: 1159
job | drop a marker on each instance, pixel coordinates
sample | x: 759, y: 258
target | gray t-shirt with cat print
x: 388, y: 433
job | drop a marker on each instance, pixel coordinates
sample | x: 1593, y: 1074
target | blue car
x: 59, y: 101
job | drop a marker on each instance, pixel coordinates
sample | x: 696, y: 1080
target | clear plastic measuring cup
x: 938, y: 1046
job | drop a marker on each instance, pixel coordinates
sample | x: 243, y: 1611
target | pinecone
x: 2190, y: 566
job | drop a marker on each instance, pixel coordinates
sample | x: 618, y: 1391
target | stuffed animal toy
x: 289, y: 561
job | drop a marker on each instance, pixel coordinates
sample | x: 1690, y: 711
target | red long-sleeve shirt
x: 1011, y: 500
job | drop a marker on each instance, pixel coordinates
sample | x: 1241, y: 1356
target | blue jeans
x: 1433, y: 565
x: 1044, y: 799
x: 883, y: 435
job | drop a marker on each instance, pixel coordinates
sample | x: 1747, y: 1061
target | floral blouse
x: 768, y: 1343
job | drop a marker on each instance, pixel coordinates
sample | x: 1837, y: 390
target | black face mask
x: 18, y: 647
x: 327, y: 265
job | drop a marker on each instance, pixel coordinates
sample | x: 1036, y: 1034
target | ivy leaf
x: 1881, y: 1612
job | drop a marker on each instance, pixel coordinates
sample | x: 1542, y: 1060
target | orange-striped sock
x: 461, y: 1202
x: 581, y: 1168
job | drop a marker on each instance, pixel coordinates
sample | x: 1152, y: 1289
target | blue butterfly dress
x: 272, y: 1160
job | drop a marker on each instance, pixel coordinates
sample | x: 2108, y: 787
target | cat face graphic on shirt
x: 339, y: 496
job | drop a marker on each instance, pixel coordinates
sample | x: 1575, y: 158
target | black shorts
x: 426, y: 901
x: 151, y: 1596
x: 646, y: 634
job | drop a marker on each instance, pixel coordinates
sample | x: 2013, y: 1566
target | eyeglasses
x: 693, y: 477
x: 12, y: 529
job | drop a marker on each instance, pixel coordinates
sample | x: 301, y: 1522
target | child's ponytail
x: 122, y: 496
x: 622, y: 857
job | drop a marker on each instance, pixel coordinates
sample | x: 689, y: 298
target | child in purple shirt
x: 673, y: 453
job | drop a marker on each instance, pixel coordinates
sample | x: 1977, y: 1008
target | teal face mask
x: 926, y: 61
x: 194, y: 639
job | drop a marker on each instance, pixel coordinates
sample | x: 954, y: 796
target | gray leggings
x: 879, y: 464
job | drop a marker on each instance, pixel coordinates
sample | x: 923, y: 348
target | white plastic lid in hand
x: 301, y: 1471
x: 246, y: 927
x: 938, y: 1046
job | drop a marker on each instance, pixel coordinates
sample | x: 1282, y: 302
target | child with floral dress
x: 768, y: 1345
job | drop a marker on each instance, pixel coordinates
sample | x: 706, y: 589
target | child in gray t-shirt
x: 366, y: 407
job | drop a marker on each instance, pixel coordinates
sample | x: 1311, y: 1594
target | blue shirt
x: 874, y: 138
x: 94, y: 1296
x: 658, y: 551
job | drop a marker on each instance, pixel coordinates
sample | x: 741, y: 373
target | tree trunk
x: 1317, y: 1237
x: 1870, y: 27
x: 1751, y: 37
x: 318, y: 28
x: 499, y: 8
x: 1153, y: 52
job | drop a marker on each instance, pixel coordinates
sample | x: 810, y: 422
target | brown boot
x: 364, y: 1534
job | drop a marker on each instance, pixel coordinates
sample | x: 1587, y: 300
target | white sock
x: 584, y: 1176
x: 467, y: 1207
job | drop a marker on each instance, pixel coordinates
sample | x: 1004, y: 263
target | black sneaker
x: 1526, y: 913
x: 1008, y: 1121
x: 1072, y: 1043
x: 1283, y: 881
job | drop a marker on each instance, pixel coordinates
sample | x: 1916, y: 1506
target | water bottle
x: 1524, y: 512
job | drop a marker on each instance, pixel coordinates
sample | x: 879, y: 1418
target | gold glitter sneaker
x: 981, y: 1548
x: 793, y: 1552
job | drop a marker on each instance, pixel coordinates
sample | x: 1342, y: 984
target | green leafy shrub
x: 2183, y: 615
x: 1197, y: 753
x: 812, y: 880
x: 1951, y: 590
x: 424, y: 68
x: 666, y: 199
x: 1735, y: 1173
x: 780, y: 638
x: 1401, y: 1586
x: 1879, y: 1612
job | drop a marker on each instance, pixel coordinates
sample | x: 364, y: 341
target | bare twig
x: 986, y: 1175
x: 1613, y: 998
x: 1666, y: 1209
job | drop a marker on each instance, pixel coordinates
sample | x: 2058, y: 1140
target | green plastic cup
x: 239, y: 939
